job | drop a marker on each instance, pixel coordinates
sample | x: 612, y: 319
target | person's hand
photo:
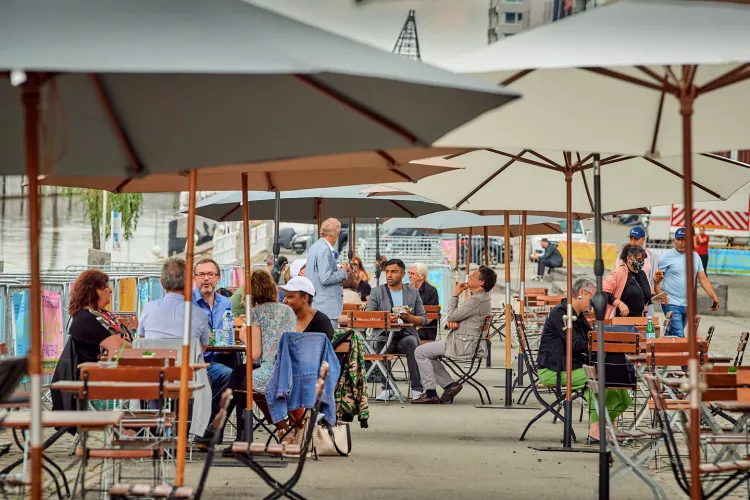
x: 715, y: 305
x: 452, y: 325
x: 347, y: 267
x: 658, y: 276
x: 624, y: 311
x: 665, y: 299
x: 533, y: 256
x: 407, y: 318
x: 460, y: 288
x: 394, y: 318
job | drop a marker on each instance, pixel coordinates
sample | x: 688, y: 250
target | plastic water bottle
x: 228, y: 324
x: 650, y: 331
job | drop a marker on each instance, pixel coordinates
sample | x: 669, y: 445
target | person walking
x: 323, y: 272
x: 627, y: 289
x: 673, y: 267
x: 701, y: 246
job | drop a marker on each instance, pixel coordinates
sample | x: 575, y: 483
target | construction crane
x: 407, y: 44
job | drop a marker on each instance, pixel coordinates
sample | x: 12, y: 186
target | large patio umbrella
x: 123, y: 88
x: 646, y: 77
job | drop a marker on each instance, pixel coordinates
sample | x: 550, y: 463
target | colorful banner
x: 155, y: 291
x: 128, y: 294
x: 142, y: 294
x: 52, y: 331
x: 21, y: 322
x: 440, y: 279
x: 238, y: 277
x: 449, y: 251
x: 729, y: 261
x: 584, y: 254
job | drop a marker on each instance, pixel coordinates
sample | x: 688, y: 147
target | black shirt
x: 552, y: 345
x: 429, y: 295
x: 635, y: 295
x: 88, y: 334
x: 320, y: 324
x: 364, y: 289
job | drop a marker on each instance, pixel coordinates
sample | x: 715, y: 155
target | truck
x: 726, y: 222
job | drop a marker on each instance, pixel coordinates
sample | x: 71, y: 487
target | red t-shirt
x: 701, y: 248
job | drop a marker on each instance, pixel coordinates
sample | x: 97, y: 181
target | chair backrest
x: 741, y: 346
x: 710, y: 334
x: 672, y: 351
x: 525, y: 347
x: 135, y: 357
x: 133, y: 373
x: 551, y: 300
x: 369, y: 319
x: 352, y: 307
x: 433, y: 312
x: 622, y: 342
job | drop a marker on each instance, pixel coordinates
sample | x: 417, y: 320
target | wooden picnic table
x: 709, y: 358
x: 86, y: 419
x: 122, y: 390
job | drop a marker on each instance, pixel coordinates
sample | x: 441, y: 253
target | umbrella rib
x: 489, y: 179
x: 615, y: 159
x: 657, y: 125
x: 522, y: 160
x: 392, y: 165
x: 233, y: 210
x: 626, y: 78
x: 736, y: 75
x: 360, y: 109
x: 544, y: 158
x: 588, y: 192
x: 660, y: 79
x: 106, y: 101
x: 681, y: 176
x: 515, y: 77
x: 402, y: 207
x: 725, y: 159
x: 271, y: 187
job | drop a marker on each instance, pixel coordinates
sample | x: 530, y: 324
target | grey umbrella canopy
x: 131, y: 87
x: 300, y: 206
x: 457, y: 221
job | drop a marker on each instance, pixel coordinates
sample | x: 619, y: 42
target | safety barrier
x: 724, y: 261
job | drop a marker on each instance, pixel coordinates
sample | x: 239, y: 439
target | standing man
x: 650, y: 264
x: 206, y: 277
x: 323, y: 272
x: 551, y: 259
x: 701, y: 246
x: 672, y: 265
x: 395, y: 294
x: 429, y: 295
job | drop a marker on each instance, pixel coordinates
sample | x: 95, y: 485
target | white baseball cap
x: 297, y: 266
x: 299, y: 284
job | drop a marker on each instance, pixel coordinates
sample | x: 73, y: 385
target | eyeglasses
x: 206, y: 275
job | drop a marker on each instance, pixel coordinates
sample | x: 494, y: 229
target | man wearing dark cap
x: 673, y: 264
x: 650, y: 264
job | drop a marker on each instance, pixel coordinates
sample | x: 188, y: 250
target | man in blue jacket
x: 323, y: 271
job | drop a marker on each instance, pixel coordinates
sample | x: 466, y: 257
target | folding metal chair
x: 475, y: 362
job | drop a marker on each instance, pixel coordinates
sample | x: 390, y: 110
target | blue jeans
x: 679, y: 318
x: 218, y: 376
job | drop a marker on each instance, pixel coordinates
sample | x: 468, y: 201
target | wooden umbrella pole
x: 486, y: 246
x: 457, y: 253
x: 30, y: 101
x: 318, y: 211
x: 568, y: 405
x: 354, y: 236
x: 182, y: 412
x: 468, y: 260
x: 522, y: 266
x: 508, y: 313
x: 248, y: 411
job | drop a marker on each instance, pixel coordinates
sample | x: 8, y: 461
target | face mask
x: 637, y: 264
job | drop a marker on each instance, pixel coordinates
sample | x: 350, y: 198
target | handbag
x: 331, y: 441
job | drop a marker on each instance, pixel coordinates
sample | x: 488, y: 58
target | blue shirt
x: 673, y: 264
x: 165, y: 319
x: 398, y: 297
x: 214, y: 316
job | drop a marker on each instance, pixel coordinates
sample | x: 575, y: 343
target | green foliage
x: 130, y: 206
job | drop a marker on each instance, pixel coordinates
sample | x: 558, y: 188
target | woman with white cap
x: 298, y: 267
x: 298, y: 294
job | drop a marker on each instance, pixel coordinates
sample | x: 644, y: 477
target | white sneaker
x: 415, y: 394
x: 386, y: 395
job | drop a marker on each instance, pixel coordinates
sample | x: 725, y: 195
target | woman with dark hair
x: 298, y: 294
x: 362, y: 272
x: 269, y: 319
x: 627, y: 289
x: 93, y: 329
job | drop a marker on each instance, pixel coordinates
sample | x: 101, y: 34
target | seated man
x: 393, y: 294
x: 429, y: 295
x: 551, y: 259
x: 164, y: 319
x: 551, y: 359
x: 466, y: 322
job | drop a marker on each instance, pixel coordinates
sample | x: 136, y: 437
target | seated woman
x: 298, y: 294
x: 269, y: 320
x: 92, y: 331
x: 627, y: 289
x: 552, y: 347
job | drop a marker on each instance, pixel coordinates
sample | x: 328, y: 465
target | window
x: 513, y: 17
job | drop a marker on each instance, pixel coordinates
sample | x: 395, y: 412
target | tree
x: 129, y: 205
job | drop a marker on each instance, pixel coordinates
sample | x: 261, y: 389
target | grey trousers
x: 406, y: 344
x: 430, y: 369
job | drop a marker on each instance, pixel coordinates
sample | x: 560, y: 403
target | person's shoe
x: 386, y: 395
x: 415, y: 394
x: 424, y: 399
x: 450, y: 392
x: 227, y: 452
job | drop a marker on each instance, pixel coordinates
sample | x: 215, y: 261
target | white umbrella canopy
x: 459, y: 222
x: 593, y: 82
x: 136, y: 87
x: 491, y: 180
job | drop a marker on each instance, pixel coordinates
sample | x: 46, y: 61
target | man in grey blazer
x: 465, y: 322
x: 322, y: 270
x: 405, y: 341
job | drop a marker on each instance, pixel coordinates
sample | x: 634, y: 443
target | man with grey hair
x: 551, y: 360
x: 322, y: 270
x: 429, y: 295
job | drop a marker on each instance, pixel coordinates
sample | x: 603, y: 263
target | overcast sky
x: 446, y: 28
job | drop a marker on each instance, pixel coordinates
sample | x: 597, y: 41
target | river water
x: 66, y: 234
